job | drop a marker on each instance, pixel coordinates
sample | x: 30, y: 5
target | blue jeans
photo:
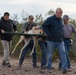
x: 34, y: 55
x: 67, y: 49
x: 43, y: 46
x: 61, y: 49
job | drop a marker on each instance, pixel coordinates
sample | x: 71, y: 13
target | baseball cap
x: 65, y: 17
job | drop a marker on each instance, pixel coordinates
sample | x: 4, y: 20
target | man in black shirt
x: 6, y: 25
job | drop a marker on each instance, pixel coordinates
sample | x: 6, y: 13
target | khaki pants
x: 6, y: 47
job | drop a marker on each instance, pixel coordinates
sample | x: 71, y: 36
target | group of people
x: 58, y: 31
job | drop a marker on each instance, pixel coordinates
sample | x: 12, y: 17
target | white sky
x: 37, y: 6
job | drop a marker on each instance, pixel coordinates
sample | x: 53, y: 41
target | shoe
x: 75, y: 72
x: 4, y: 63
x: 69, y: 69
x: 49, y: 71
x: 35, y: 66
x: 59, y: 68
x: 52, y: 68
x: 8, y: 65
x: 64, y: 71
x: 43, y: 67
x: 20, y: 65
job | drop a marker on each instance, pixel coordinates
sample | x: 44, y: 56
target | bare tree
x: 24, y: 16
x: 39, y: 19
x: 15, y: 17
x: 50, y: 13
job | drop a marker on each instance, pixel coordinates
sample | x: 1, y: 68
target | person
x: 6, y: 25
x: 53, y: 28
x: 68, y: 30
x: 43, y: 45
x: 26, y: 27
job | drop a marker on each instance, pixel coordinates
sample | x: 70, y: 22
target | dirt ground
x: 27, y: 68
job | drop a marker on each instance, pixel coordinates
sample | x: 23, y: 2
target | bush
x: 17, y: 52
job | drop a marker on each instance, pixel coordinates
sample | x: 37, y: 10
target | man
x: 68, y: 30
x: 6, y: 25
x: 26, y: 27
x: 43, y: 46
x: 53, y: 28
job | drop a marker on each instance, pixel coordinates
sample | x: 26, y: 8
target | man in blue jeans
x: 43, y: 45
x: 53, y: 28
x: 29, y: 46
x: 68, y: 30
x: 26, y: 27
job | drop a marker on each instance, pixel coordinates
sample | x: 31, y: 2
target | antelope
x: 27, y: 40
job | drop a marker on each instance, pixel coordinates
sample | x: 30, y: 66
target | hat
x: 65, y: 17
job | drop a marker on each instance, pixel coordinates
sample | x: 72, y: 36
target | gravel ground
x: 27, y: 69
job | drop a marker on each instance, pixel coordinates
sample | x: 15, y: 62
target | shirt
x: 27, y: 26
x: 68, y: 30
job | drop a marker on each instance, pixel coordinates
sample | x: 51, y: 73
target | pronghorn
x: 27, y: 40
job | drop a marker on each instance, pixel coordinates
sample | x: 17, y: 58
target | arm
x: 36, y: 27
x: 1, y: 30
x: 24, y: 27
x: 45, y: 27
x: 0, y: 27
x: 73, y: 29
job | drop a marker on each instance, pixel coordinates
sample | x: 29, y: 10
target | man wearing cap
x: 68, y: 30
x: 26, y: 27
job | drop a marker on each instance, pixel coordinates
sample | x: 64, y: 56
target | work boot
x: 35, y: 66
x: 4, y: 63
x: 64, y: 71
x: 8, y: 65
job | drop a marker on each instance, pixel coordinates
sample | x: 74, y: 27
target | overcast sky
x: 37, y: 6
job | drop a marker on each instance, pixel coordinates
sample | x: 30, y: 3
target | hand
x: 2, y: 31
x: 26, y: 32
x: 33, y: 28
x: 16, y: 31
x: 36, y: 27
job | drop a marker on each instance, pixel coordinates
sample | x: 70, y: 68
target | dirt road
x: 27, y: 69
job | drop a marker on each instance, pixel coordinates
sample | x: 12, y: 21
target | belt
x: 67, y: 38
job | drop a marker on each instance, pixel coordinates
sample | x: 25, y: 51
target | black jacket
x: 53, y: 28
x: 7, y: 26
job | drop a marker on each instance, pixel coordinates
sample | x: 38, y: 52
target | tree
x: 50, y: 13
x: 73, y: 21
x: 39, y: 19
x: 24, y: 16
x: 15, y: 17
